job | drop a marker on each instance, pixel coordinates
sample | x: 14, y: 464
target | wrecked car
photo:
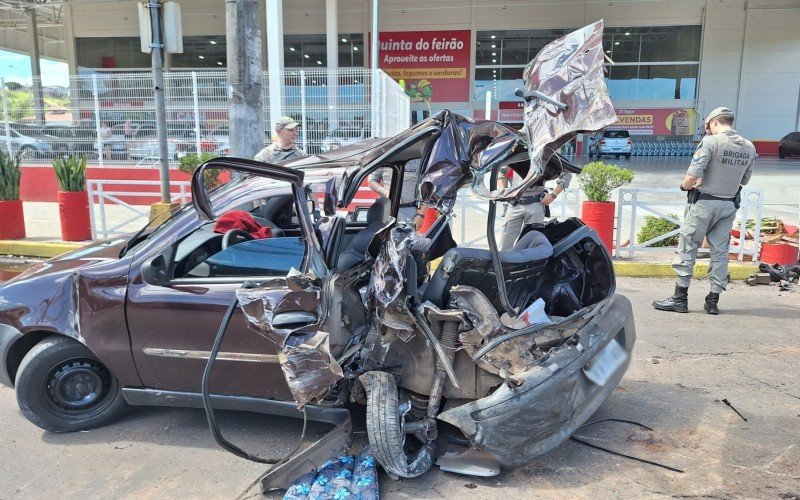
x: 340, y: 302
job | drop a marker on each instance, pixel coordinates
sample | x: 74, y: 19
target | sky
x: 16, y: 67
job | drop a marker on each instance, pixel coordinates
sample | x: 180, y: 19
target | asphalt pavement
x: 683, y: 367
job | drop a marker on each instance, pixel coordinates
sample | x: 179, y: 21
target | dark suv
x: 789, y: 145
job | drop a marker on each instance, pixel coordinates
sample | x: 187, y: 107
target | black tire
x: 599, y: 155
x: 27, y: 152
x: 628, y: 156
x: 385, y: 430
x: 62, y: 387
x: 781, y: 153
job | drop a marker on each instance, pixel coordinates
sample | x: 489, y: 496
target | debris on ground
x: 775, y: 231
x: 348, y: 476
x: 784, y: 276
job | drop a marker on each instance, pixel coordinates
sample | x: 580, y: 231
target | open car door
x: 179, y: 294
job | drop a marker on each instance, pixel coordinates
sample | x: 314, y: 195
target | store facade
x: 669, y: 62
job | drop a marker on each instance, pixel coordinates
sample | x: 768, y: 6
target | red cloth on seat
x: 239, y: 219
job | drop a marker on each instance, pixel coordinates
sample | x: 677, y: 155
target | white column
x: 374, y: 61
x: 275, y: 59
x: 332, y: 46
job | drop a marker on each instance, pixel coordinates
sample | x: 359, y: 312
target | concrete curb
x: 737, y: 271
x: 41, y: 249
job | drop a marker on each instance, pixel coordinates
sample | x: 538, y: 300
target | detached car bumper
x: 8, y: 336
x: 517, y: 425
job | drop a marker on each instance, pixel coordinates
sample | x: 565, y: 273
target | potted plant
x: 12, y: 222
x: 190, y: 162
x: 73, y: 201
x: 598, y: 179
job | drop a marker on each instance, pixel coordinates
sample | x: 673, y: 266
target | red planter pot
x: 12, y: 221
x: 599, y: 215
x: 73, y: 208
x: 778, y: 253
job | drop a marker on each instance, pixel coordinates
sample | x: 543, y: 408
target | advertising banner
x: 433, y: 66
x: 643, y: 121
x: 637, y: 121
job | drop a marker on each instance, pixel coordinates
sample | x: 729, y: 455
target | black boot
x: 712, y: 299
x: 677, y: 303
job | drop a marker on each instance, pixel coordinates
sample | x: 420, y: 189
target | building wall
x: 750, y: 59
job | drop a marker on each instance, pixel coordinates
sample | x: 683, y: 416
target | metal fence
x: 634, y: 204
x: 110, y: 117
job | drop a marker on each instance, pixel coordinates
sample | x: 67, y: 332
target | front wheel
x: 62, y: 387
x: 781, y: 153
x: 386, y: 429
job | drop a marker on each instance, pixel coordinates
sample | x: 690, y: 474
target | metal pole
x: 196, y: 113
x: 332, y: 49
x: 96, y: 96
x: 36, y: 73
x: 488, y: 113
x: 274, y: 58
x: 245, y: 104
x: 5, y: 115
x: 303, y: 128
x: 161, y: 110
x: 374, y: 61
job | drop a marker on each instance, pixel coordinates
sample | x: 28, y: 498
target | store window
x: 309, y: 51
x: 201, y: 52
x: 111, y: 53
x: 651, y: 63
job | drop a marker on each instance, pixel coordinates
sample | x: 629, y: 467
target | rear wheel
x: 781, y: 153
x: 628, y: 156
x: 62, y: 387
x: 386, y: 429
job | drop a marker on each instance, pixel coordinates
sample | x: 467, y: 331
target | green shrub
x: 190, y: 162
x: 9, y: 177
x: 71, y: 173
x: 598, y: 179
x: 20, y: 104
x: 655, y: 227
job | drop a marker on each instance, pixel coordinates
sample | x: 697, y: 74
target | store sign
x: 639, y: 121
x: 642, y: 121
x: 432, y: 66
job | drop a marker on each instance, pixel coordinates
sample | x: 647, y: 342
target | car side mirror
x: 155, y: 272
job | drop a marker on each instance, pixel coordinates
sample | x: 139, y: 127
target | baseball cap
x: 722, y: 110
x: 286, y: 122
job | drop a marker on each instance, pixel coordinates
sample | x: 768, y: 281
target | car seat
x: 377, y: 216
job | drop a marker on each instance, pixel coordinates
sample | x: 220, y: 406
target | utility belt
x: 693, y: 196
x: 527, y: 200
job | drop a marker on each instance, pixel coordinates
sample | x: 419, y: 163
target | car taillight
x: 602, y: 141
x: 629, y: 141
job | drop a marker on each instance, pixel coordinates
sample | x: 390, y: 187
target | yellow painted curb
x: 45, y: 249
x: 652, y: 270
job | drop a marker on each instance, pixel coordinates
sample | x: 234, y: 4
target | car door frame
x: 244, y: 364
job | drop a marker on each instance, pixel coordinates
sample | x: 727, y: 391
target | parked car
x: 27, y: 140
x: 333, y: 309
x: 71, y: 139
x: 141, y: 142
x: 789, y: 145
x: 343, y: 136
x: 611, y: 142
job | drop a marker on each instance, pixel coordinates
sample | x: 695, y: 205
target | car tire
x: 27, y: 152
x: 628, y: 156
x: 387, y: 438
x: 599, y: 155
x: 781, y: 153
x: 62, y: 387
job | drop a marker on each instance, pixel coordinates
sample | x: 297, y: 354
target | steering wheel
x: 235, y: 233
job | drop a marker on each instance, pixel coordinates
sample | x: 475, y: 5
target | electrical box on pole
x: 172, y: 35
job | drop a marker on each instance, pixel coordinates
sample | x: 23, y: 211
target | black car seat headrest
x: 380, y: 211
